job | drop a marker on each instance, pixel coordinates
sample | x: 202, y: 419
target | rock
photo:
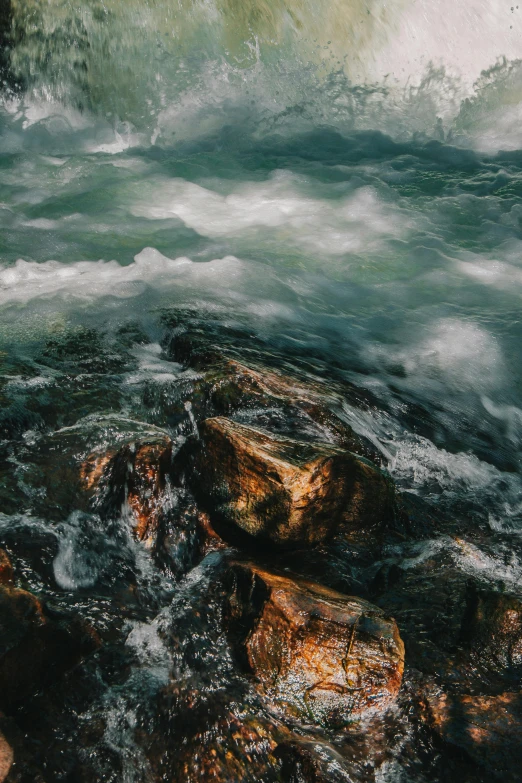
x: 232, y: 750
x: 225, y: 385
x: 492, y: 630
x: 139, y: 469
x: 317, y: 655
x: 217, y: 734
x: 283, y: 490
x: 6, y: 758
x: 101, y: 464
x: 35, y: 649
x: 487, y: 728
x: 209, y: 540
x: 6, y: 569
x: 308, y: 761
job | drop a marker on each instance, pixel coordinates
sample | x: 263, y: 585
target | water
x: 342, y: 180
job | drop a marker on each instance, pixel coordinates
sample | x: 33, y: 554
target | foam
x: 417, y: 464
x: 454, y: 351
x: 90, y: 280
x: 355, y: 223
x: 152, y: 367
x: 504, y: 566
x: 494, y: 273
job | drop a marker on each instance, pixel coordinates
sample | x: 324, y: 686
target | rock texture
x: 492, y: 631
x: 6, y: 758
x: 287, y: 491
x: 6, y: 568
x: 134, y: 473
x: 102, y: 464
x: 487, y: 728
x: 35, y: 649
x: 316, y: 654
x: 313, y: 762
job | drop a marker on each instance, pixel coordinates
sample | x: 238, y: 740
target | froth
x: 455, y: 352
x: 285, y: 206
x: 91, y: 279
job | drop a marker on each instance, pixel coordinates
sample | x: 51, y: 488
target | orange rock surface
x: 140, y: 468
x: 6, y: 569
x: 488, y: 728
x: 285, y: 490
x: 318, y: 655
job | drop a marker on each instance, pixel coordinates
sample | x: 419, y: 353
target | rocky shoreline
x: 213, y: 577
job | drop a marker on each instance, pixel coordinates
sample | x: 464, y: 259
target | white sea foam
x: 509, y: 415
x: 422, y: 467
x: 152, y: 367
x: 75, y: 566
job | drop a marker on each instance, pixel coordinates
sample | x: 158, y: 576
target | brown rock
x: 311, y: 761
x: 488, y: 728
x: 214, y: 737
x: 233, y: 750
x: 6, y: 569
x: 35, y: 650
x: 492, y: 630
x: 210, y: 541
x: 6, y: 758
x: 317, y: 654
x: 102, y: 464
x: 285, y: 490
x: 139, y: 468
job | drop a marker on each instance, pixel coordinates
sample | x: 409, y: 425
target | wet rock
x: 6, y: 758
x: 209, y: 540
x: 282, y: 490
x: 492, y: 630
x: 83, y: 351
x: 233, y: 748
x: 292, y: 400
x: 317, y: 655
x: 101, y: 464
x: 6, y: 568
x: 138, y: 468
x: 308, y: 761
x: 35, y: 649
x: 487, y: 728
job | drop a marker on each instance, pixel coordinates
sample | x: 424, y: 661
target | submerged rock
x: 230, y: 749
x: 6, y: 568
x: 286, y: 491
x: 487, y: 728
x: 317, y: 655
x: 311, y: 761
x: 35, y: 649
x: 492, y: 631
x: 105, y: 464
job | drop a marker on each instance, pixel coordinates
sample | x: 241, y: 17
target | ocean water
x: 343, y: 179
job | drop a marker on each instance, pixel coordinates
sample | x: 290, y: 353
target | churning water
x: 346, y: 177
x: 343, y: 179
